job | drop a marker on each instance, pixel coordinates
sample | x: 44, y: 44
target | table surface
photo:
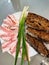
x: 7, y: 59
x: 40, y: 7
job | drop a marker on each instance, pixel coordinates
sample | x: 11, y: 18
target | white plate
x: 32, y: 52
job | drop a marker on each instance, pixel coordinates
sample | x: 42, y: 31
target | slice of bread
x: 37, y: 21
x: 40, y: 34
x: 37, y: 45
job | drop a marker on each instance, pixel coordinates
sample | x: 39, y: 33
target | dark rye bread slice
x: 37, y: 21
x: 40, y: 34
x: 37, y: 45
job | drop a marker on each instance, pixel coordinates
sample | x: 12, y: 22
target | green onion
x: 22, y: 38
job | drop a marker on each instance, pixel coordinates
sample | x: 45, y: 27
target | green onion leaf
x: 22, y: 38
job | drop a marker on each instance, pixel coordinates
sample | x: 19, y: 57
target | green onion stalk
x: 22, y: 38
